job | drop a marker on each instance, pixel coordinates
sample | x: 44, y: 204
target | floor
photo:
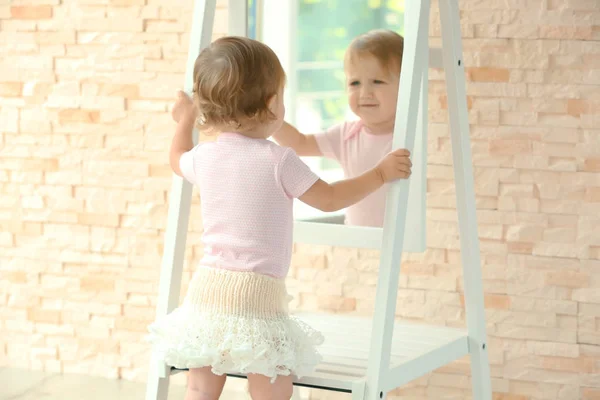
x: 36, y: 385
x: 18, y: 384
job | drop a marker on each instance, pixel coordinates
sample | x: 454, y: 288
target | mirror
x: 310, y: 39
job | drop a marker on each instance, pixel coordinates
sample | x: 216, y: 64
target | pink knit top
x: 247, y: 187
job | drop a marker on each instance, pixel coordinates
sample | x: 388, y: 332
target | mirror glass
x: 311, y: 38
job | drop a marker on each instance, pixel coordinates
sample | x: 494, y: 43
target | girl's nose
x: 366, y: 91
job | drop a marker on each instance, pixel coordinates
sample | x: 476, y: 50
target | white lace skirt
x: 236, y: 322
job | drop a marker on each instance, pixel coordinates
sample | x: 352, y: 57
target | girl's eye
x: 377, y: 81
x: 354, y: 83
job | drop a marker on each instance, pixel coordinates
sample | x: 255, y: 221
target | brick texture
x: 85, y: 89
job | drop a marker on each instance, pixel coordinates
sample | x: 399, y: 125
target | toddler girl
x: 372, y: 67
x: 234, y: 318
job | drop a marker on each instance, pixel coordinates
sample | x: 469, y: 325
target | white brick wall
x: 85, y: 88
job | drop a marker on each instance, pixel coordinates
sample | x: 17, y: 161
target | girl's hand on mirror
x: 395, y: 165
x: 183, y: 108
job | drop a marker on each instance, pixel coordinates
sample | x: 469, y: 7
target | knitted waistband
x: 237, y: 293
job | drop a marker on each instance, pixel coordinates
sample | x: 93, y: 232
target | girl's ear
x: 272, y: 103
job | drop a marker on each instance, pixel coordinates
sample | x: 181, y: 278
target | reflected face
x: 372, y: 93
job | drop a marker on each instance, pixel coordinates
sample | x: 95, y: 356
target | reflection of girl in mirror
x: 372, y: 67
x: 234, y: 318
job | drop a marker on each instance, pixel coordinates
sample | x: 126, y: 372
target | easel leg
x: 157, y: 386
x: 418, y: 180
x: 414, y: 61
x: 465, y: 198
x: 179, y: 208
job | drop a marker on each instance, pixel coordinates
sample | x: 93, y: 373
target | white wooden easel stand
x: 369, y: 364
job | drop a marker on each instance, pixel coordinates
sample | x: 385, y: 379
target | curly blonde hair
x: 234, y: 79
x: 385, y: 45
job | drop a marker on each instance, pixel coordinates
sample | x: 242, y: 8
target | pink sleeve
x: 295, y: 177
x: 187, y: 165
x: 330, y: 141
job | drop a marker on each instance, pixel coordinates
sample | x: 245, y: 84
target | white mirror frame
x: 278, y: 34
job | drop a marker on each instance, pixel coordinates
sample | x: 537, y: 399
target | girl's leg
x: 261, y: 388
x: 204, y: 385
